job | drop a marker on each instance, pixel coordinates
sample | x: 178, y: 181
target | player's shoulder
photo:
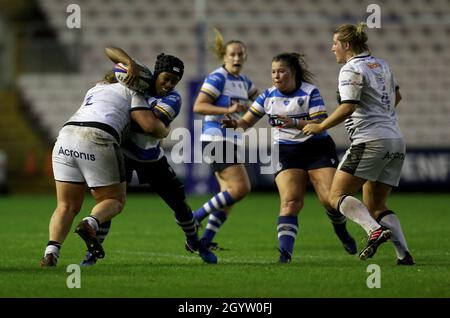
x: 351, y: 69
x: 269, y: 92
x: 174, y: 94
x: 218, y: 74
x: 350, y: 66
x: 173, y: 97
x: 308, y: 88
x: 382, y: 62
x: 113, y: 88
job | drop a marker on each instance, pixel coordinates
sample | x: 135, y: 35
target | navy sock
x: 287, y: 232
x: 103, y: 230
x: 186, y: 222
x: 219, y: 202
x: 215, y: 221
x: 339, y: 222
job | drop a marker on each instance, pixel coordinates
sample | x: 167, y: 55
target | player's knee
x: 291, y: 207
x: 120, y: 202
x: 68, y: 208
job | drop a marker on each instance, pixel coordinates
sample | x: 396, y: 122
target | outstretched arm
x: 338, y: 116
x: 247, y: 121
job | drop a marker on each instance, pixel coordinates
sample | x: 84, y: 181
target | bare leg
x: 321, y: 179
x: 69, y: 198
x: 291, y: 185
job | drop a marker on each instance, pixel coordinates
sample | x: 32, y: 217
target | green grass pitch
x: 145, y: 255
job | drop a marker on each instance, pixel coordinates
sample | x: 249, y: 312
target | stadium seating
x: 414, y: 38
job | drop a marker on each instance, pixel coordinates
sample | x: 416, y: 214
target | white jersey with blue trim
x: 108, y: 104
x: 225, y: 89
x: 305, y: 103
x: 368, y: 82
x: 144, y: 147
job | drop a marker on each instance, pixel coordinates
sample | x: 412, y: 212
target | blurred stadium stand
x: 58, y: 64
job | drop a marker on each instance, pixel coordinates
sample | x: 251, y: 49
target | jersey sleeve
x: 317, y: 108
x: 138, y: 102
x: 350, y: 85
x: 257, y: 107
x: 168, y: 107
x: 213, y: 85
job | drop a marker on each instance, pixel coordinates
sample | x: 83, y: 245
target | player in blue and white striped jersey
x: 290, y: 104
x: 368, y: 97
x: 144, y: 155
x: 224, y: 92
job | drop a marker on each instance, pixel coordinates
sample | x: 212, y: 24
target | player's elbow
x: 348, y: 109
x: 197, y: 108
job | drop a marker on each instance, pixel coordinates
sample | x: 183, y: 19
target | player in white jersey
x: 368, y: 97
x: 144, y: 155
x: 87, y: 153
x: 224, y: 92
x: 290, y: 103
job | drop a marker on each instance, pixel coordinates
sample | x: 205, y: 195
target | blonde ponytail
x: 354, y: 35
x: 219, y: 47
x: 360, y: 34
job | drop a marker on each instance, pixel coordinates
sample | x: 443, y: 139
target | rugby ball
x: 141, y: 85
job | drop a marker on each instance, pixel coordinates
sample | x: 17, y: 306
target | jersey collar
x: 359, y: 56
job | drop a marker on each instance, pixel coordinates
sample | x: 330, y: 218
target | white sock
x: 52, y: 249
x: 392, y: 222
x: 356, y: 211
x: 92, y: 222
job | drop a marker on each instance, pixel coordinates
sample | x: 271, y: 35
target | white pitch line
x: 223, y: 260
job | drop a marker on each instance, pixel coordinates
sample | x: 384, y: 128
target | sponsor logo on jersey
x: 76, y: 154
x: 349, y: 82
x: 373, y: 65
x: 394, y: 155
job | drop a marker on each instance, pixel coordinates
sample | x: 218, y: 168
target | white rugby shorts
x: 87, y: 155
x: 378, y: 160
